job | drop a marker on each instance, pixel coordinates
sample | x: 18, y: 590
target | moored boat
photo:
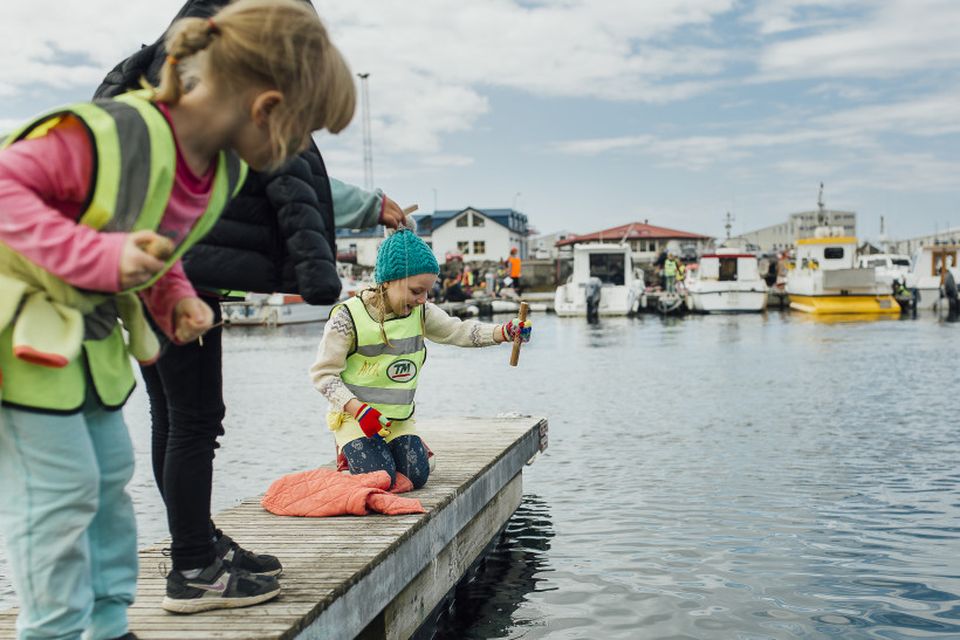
x: 726, y: 281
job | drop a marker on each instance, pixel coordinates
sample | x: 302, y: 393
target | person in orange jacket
x: 516, y: 267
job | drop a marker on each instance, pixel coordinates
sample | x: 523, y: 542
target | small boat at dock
x: 604, y: 282
x: 925, y: 272
x: 726, y: 281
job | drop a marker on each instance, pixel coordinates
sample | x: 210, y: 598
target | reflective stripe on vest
x: 385, y: 376
x: 134, y: 170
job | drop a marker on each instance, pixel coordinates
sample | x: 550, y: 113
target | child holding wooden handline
x: 371, y: 354
x: 82, y: 189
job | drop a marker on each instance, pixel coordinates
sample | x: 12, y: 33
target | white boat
x: 888, y: 267
x: 611, y: 268
x: 272, y: 309
x: 282, y: 308
x: 825, y: 278
x: 924, y: 275
x: 726, y: 281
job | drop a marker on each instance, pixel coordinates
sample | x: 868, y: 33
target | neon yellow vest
x: 385, y: 376
x: 134, y: 169
x: 670, y: 267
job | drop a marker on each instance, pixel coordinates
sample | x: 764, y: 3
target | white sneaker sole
x: 196, y: 605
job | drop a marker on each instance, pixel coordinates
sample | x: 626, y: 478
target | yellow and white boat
x: 825, y: 278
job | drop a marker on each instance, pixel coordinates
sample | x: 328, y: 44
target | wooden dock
x: 373, y: 576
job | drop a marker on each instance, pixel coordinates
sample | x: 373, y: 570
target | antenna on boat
x: 728, y: 223
x: 821, y: 210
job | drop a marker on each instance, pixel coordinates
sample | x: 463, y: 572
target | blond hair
x: 274, y: 44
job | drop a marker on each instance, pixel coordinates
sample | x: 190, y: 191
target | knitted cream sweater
x: 339, y: 339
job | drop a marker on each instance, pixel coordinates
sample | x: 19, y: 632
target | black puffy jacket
x: 278, y: 234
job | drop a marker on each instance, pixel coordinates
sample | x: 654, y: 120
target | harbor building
x: 475, y: 234
x: 646, y: 241
x: 797, y: 226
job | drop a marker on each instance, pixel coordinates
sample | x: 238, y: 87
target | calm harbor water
x: 707, y: 477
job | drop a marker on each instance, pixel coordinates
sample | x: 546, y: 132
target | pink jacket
x: 44, y: 183
x: 325, y: 492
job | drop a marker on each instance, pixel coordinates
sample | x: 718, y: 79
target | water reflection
x: 484, y: 606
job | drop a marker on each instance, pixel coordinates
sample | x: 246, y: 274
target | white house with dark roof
x: 476, y: 234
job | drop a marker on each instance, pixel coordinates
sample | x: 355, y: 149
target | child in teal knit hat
x: 372, y: 353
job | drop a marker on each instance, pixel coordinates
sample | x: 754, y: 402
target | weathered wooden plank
x: 342, y: 572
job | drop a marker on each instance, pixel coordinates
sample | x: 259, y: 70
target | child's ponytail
x: 186, y: 37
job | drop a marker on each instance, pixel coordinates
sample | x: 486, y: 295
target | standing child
x: 152, y: 161
x: 371, y: 354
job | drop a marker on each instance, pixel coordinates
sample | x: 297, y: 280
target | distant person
x: 516, y: 269
x: 670, y: 270
x: 949, y: 289
x: 372, y: 415
x: 490, y: 282
x: 453, y: 290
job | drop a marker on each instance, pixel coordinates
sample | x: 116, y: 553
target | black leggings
x: 406, y: 454
x: 185, y: 387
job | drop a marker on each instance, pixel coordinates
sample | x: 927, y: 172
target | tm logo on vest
x: 402, y: 371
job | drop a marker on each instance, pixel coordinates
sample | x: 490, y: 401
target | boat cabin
x: 828, y: 253
x: 610, y: 263
x: 727, y: 265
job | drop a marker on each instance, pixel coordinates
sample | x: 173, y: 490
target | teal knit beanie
x: 403, y: 254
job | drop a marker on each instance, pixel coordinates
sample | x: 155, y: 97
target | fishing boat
x: 925, y: 272
x: 605, y: 274
x: 726, y: 281
x: 825, y: 277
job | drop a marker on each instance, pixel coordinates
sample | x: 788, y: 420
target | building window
x: 463, y: 246
x: 479, y: 246
x: 478, y: 221
x: 464, y: 220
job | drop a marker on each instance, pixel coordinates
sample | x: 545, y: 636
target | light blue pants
x: 68, y: 522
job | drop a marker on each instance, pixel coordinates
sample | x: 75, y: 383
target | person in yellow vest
x: 83, y: 189
x: 516, y: 269
x: 670, y: 269
x: 372, y: 353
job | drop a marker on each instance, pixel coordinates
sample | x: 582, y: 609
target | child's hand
x: 392, y: 215
x: 136, y: 265
x: 510, y: 330
x: 371, y: 420
x: 192, y: 317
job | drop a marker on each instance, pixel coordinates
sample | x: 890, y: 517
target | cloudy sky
x: 586, y: 114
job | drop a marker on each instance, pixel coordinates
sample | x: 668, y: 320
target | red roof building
x: 645, y: 240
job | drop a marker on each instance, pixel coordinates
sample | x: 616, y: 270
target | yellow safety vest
x: 134, y: 169
x: 385, y: 376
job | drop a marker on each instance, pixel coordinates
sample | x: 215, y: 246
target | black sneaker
x: 235, y: 555
x: 219, y: 586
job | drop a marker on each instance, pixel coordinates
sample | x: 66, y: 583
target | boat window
x: 728, y: 269
x: 901, y: 262
x: 608, y: 267
x: 833, y: 253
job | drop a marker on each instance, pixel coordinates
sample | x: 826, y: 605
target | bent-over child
x: 82, y: 189
x: 372, y: 352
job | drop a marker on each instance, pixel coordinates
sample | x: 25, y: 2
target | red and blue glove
x: 371, y: 420
x: 510, y: 330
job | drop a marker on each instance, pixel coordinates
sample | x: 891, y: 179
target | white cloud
x: 885, y: 39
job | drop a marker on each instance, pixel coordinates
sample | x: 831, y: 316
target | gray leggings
x: 406, y: 454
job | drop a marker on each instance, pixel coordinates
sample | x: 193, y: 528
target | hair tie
x: 172, y: 60
x: 212, y: 26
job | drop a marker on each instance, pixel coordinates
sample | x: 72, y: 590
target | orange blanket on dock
x: 325, y: 492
